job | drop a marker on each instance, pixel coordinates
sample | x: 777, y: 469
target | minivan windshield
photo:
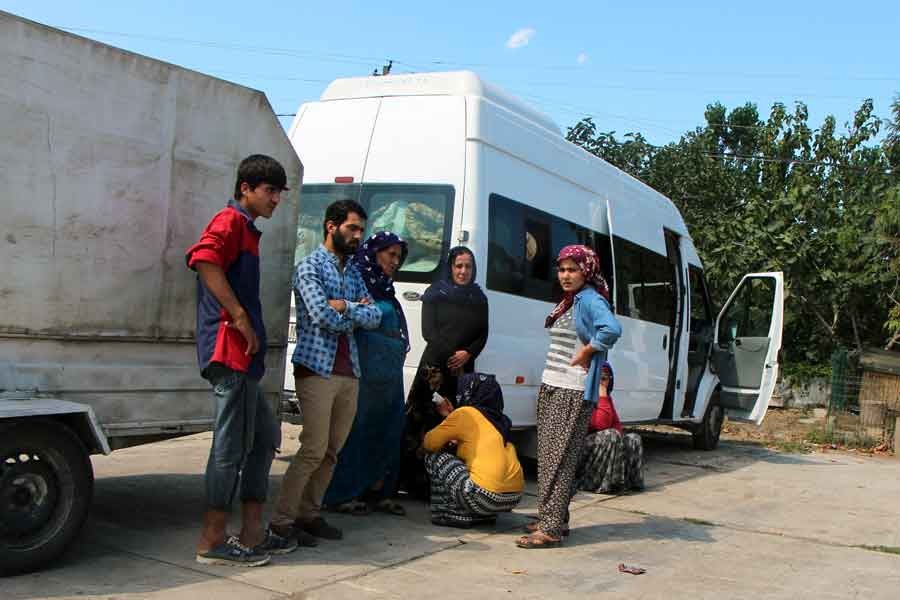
x: 420, y: 214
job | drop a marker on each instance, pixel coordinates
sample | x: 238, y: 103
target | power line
x: 648, y: 122
x: 657, y: 71
x: 692, y: 90
x: 428, y: 64
x: 645, y: 122
x: 759, y: 158
x: 325, y: 57
x: 366, y: 60
x: 275, y: 77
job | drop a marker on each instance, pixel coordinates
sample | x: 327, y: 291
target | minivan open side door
x: 747, y: 344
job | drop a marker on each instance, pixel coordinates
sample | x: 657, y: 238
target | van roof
x: 448, y: 83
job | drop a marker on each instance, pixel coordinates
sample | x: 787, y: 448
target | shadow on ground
x: 151, y: 520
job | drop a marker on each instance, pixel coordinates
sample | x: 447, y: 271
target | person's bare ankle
x: 213, y: 532
x: 207, y: 543
x: 252, y: 539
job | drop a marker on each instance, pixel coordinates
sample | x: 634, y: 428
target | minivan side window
x: 523, y: 245
x: 750, y: 312
x: 645, y: 287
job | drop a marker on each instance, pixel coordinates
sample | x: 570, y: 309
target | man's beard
x: 344, y: 246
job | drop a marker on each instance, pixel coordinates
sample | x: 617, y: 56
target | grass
x: 791, y: 446
x: 828, y: 435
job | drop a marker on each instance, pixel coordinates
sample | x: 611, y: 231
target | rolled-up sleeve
x: 605, y: 326
x: 219, y: 243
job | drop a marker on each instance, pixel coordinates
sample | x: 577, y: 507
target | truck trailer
x: 111, y: 164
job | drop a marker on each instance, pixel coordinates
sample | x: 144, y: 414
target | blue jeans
x: 245, y: 437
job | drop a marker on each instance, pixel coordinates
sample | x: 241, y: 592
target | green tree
x: 888, y: 222
x: 777, y: 195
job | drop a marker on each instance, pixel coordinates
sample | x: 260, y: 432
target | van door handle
x: 412, y: 296
x: 665, y: 340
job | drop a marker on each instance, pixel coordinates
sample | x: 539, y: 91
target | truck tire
x: 706, y: 434
x: 46, y: 485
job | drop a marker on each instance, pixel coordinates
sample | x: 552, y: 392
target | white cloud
x: 520, y: 38
x: 582, y: 58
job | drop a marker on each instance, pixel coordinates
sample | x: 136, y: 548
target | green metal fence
x: 859, y: 413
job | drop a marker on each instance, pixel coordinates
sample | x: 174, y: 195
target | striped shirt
x: 564, y: 344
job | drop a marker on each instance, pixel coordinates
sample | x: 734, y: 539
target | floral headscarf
x: 377, y: 282
x: 589, y: 263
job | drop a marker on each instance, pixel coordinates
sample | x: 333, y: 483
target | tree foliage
x: 773, y: 194
x: 887, y: 222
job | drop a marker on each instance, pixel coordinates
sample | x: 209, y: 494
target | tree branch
x: 893, y: 341
x: 818, y: 316
x: 855, y: 330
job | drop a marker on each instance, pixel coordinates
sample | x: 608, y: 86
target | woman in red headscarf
x: 582, y: 329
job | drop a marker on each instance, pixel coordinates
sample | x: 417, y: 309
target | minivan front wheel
x: 46, y: 485
x: 706, y: 434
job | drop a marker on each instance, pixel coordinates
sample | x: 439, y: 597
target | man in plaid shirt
x: 332, y: 301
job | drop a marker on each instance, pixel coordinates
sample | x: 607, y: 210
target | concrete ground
x: 740, y: 522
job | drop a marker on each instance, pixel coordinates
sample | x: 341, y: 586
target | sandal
x: 386, y: 505
x: 538, y: 539
x: 534, y: 526
x: 352, y: 507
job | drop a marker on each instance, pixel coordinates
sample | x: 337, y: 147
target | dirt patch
x: 783, y: 428
x: 803, y: 430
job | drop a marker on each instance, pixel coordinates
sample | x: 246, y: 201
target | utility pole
x: 385, y: 69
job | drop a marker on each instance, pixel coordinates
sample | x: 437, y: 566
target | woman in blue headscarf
x: 365, y: 477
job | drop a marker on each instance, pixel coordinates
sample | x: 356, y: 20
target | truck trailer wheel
x: 706, y: 434
x: 46, y: 485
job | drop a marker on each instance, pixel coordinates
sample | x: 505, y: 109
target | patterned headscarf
x: 482, y: 392
x: 589, y: 263
x: 377, y: 282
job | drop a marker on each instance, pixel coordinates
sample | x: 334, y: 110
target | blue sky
x: 634, y: 66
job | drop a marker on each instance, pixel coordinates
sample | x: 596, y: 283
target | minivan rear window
x: 420, y: 214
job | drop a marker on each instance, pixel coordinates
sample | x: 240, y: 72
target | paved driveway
x: 740, y: 522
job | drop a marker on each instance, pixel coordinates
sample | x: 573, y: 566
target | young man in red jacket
x: 231, y: 347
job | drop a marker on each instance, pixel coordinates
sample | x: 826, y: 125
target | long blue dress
x: 372, y: 450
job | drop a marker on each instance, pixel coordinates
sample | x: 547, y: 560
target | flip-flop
x: 537, y: 540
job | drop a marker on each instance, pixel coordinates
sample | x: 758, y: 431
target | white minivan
x: 446, y: 158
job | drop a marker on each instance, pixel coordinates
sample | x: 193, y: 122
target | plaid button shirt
x: 318, y: 279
